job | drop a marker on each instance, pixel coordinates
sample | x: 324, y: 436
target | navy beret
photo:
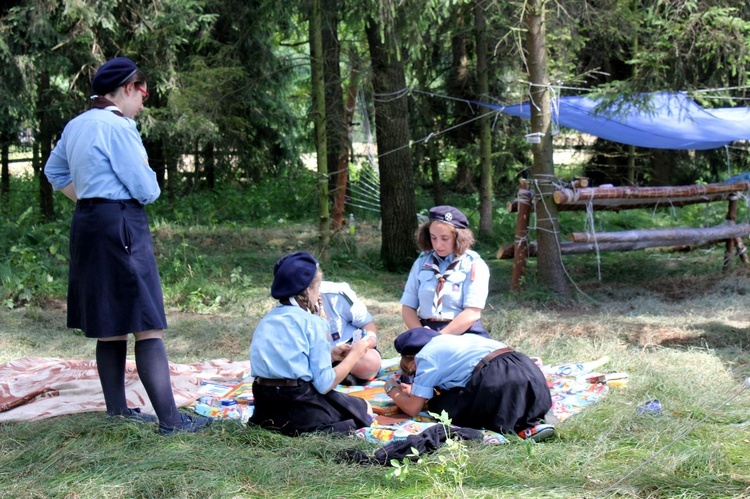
x: 449, y: 215
x: 112, y: 74
x: 412, y: 341
x: 293, y: 274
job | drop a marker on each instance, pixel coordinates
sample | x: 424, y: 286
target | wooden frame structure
x: 578, y: 196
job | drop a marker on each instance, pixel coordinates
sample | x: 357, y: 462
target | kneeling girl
x: 290, y: 359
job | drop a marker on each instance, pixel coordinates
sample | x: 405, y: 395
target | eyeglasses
x: 145, y: 94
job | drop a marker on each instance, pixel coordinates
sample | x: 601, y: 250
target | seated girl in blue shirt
x: 290, y: 358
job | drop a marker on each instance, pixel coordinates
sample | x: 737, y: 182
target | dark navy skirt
x: 113, y: 283
x: 507, y: 396
x: 294, y: 410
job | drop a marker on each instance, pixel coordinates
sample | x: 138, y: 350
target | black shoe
x: 135, y: 415
x: 187, y: 425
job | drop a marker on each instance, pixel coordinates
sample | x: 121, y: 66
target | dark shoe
x: 135, y: 415
x: 187, y: 425
x: 538, y: 433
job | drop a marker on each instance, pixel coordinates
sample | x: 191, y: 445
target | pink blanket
x: 34, y: 388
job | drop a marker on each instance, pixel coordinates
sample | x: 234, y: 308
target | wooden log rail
x: 667, y: 237
x: 579, y: 197
x: 611, y: 241
x: 628, y: 198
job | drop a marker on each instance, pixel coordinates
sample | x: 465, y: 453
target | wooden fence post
x: 524, y: 199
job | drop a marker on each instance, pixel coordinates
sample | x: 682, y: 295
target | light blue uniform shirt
x: 103, y: 155
x: 291, y: 343
x: 346, y: 313
x: 447, y: 361
x: 460, y: 291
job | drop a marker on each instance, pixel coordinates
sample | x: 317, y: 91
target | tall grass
x: 675, y: 323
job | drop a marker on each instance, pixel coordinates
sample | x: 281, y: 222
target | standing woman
x: 447, y: 285
x: 290, y: 358
x: 113, y: 285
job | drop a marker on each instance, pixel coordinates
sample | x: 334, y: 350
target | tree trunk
x: 5, y: 172
x: 459, y: 88
x: 397, y: 205
x: 209, y: 165
x: 46, y: 203
x: 549, y: 266
x: 663, y: 164
x: 337, y: 132
x: 171, y: 171
x: 156, y: 160
x: 342, y: 177
x: 485, y: 135
x: 319, y: 118
x: 431, y: 160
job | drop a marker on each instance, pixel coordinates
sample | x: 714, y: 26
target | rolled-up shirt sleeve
x: 410, y: 296
x: 426, y: 379
x: 475, y: 292
x: 57, y: 169
x: 320, y: 357
x: 129, y: 161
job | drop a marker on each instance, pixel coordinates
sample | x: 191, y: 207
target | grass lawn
x: 673, y: 321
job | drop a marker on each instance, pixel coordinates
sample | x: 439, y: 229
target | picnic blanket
x: 34, y: 388
x: 573, y: 387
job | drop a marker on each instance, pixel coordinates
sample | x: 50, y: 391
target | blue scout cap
x: 412, y: 341
x: 292, y: 274
x: 449, y: 215
x: 112, y: 74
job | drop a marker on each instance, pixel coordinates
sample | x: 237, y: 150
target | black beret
x: 450, y: 215
x: 293, y: 274
x: 112, y: 74
x: 412, y: 341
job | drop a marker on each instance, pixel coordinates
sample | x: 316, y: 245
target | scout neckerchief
x: 104, y: 103
x: 437, y: 300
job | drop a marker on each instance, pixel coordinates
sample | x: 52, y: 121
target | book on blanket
x: 381, y: 403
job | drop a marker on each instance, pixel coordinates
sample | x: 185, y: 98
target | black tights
x: 153, y: 370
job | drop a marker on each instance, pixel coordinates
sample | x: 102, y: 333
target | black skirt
x: 507, y: 396
x: 293, y: 410
x: 113, y: 282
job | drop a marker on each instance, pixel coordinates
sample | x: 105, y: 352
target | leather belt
x: 278, y: 382
x: 488, y: 358
x: 93, y: 201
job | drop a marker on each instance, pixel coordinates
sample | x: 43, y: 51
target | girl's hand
x: 359, y: 348
x: 339, y: 352
x: 392, y: 383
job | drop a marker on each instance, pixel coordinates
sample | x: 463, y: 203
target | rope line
x: 554, y: 231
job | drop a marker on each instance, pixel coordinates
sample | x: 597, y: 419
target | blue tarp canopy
x: 666, y: 121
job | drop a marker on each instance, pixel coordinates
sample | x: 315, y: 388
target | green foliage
x: 33, y: 261
x: 271, y: 201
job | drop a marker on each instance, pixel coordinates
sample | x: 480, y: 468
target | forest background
x: 237, y: 135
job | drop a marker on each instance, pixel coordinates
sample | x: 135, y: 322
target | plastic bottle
x: 351, y: 223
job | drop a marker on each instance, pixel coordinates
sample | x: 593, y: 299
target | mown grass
x: 674, y: 322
